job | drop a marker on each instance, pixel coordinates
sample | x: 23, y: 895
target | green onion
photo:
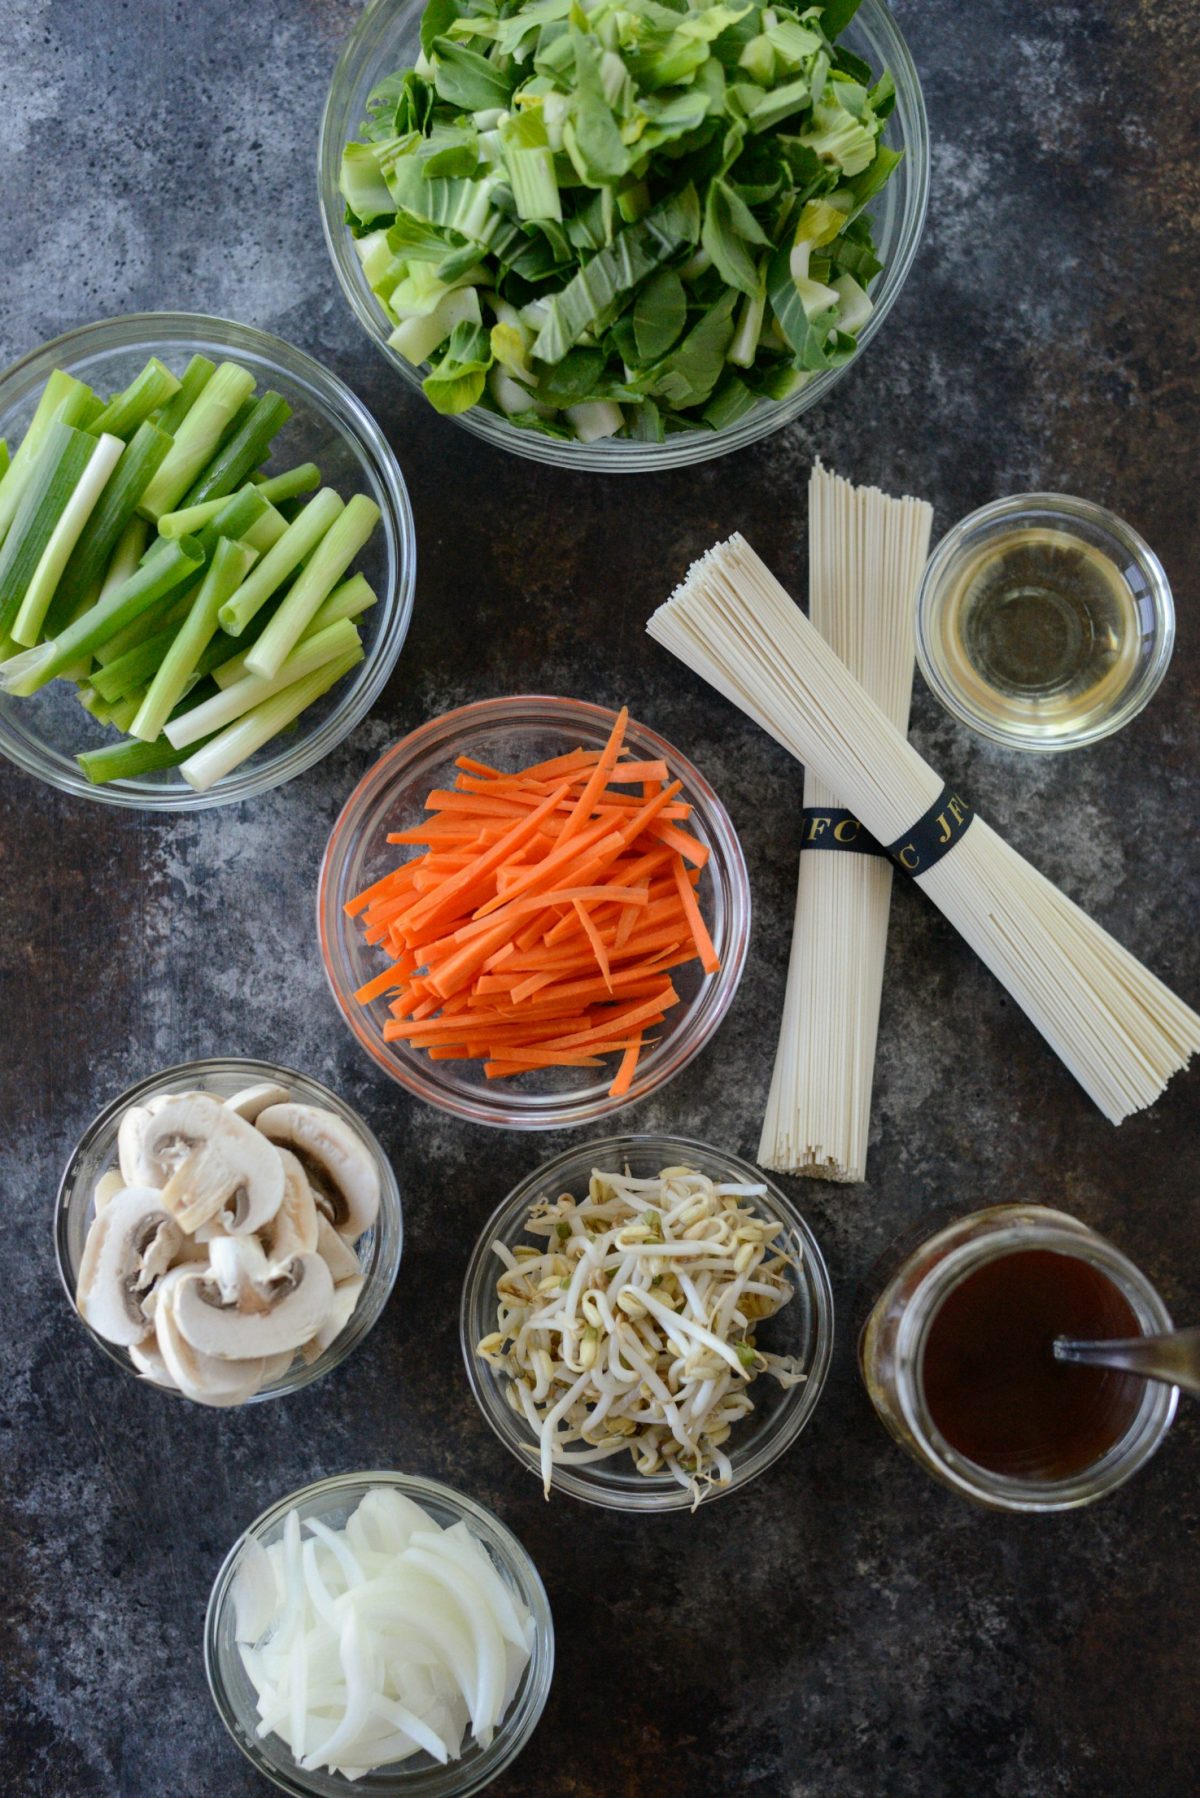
x: 266, y: 531
x: 61, y: 390
x: 125, y: 761
x: 81, y: 503
x: 61, y: 460
x: 239, y: 741
x: 234, y: 701
x: 316, y: 580
x: 198, y: 438
x: 144, y: 395
x: 188, y: 521
x: 196, y: 376
x: 92, y: 558
x: 299, y: 540
x: 112, y: 680
x: 249, y: 445
x: 292, y: 482
x: 352, y: 598
x: 230, y: 563
x: 26, y: 673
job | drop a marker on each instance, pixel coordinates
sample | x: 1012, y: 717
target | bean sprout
x: 630, y: 1326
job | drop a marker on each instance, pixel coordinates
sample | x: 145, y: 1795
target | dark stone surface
x: 844, y: 1627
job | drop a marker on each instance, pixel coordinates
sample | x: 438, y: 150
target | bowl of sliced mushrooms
x: 228, y: 1230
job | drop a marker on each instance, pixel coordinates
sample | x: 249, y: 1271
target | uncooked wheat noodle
x: 1118, y: 1028
x: 865, y: 556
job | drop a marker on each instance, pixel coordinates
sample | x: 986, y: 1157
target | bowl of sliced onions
x: 378, y: 1633
x: 646, y: 1322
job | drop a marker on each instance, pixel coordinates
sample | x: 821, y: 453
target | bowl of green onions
x: 207, y: 561
x: 623, y: 238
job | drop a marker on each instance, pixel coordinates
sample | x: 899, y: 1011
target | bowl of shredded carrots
x: 533, y: 911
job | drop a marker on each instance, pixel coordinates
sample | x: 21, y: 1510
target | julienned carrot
x: 539, y: 923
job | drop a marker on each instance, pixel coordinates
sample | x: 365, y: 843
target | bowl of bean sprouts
x: 646, y: 1323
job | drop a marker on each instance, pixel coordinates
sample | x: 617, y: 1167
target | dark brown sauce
x: 992, y: 1385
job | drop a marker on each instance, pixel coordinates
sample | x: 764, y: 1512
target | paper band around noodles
x: 833, y: 827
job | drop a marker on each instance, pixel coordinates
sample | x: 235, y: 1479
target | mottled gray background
x: 844, y: 1627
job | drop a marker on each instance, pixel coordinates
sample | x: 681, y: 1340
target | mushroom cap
x: 128, y: 1250
x: 206, y: 1161
x: 202, y: 1378
x: 129, y: 1131
x: 281, y: 1312
x: 341, y: 1169
x: 294, y: 1229
x: 253, y: 1099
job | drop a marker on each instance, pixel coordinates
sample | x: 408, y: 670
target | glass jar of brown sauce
x: 957, y: 1356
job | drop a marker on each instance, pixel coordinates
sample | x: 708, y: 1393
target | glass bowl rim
x: 1046, y: 507
x: 660, y: 1493
x: 381, y: 1279
x: 689, y: 448
x: 496, y: 1534
x: 522, y: 708
x: 129, y: 330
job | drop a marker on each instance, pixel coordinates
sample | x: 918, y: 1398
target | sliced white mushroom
x: 341, y: 1169
x: 128, y: 1250
x: 294, y: 1229
x: 236, y: 1263
x: 208, y: 1163
x: 279, y: 1312
x: 253, y: 1099
x: 345, y: 1303
x: 107, y: 1187
x: 129, y: 1134
x: 275, y: 1366
x: 336, y: 1252
x: 202, y: 1378
x: 150, y: 1364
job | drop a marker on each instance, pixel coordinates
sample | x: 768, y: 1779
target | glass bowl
x: 804, y: 1326
x: 378, y: 1249
x: 330, y: 426
x: 386, y: 38
x: 1047, y: 720
x: 391, y: 796
x: 421, y: 1776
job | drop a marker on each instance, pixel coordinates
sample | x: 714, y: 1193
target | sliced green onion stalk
x: 266, y: 531
x: 125, y: 761
x: 47, y: 576
x: 195, y: 378
x: 239, y: 741
x: 249, y: 445
x: 28, y: 672
x: 61, y: 460
x: 330, y: 645
x: 187, y: 521
x: 112, y: 680
x: 304, y: 478
x: 123, y: 711
x: 231, y: 561
x: 316, y: 580
x: 350, y: 600
x: 198, y: 438
x: 299, y: 540
x: 61, y: 391
x: 126, y: 557
x: 44, y: 581
x: 91, y: 561
x: 144, y: 395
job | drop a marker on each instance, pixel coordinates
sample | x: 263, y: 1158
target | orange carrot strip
x: 491, y: 859
x: 636, y: 1014
x: 688, y: 846
x: 625, y: 1072
x: 471, y: 766
x: 593, y: 936
x: 374, y: 988
x: 630, y: 771
x: 710, y: 961
x: 581, y: 811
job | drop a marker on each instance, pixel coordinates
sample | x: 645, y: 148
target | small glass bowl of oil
x: 1044, y: 622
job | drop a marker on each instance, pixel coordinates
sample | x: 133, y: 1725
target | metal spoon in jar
x: 1174, y: 1358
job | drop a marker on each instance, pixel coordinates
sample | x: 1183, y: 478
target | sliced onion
x: 388, y: 1638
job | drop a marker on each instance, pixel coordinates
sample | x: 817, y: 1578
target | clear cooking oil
x: 1040, y: 630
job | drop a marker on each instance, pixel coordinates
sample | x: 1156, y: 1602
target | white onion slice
x: 388, y: 1638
